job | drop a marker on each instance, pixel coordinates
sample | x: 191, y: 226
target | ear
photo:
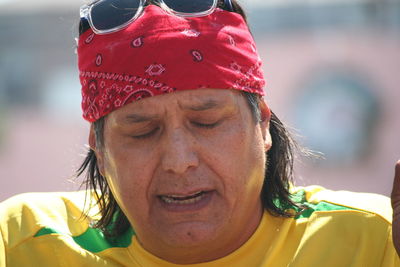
x: 264, y: 124
x: 98, y: 151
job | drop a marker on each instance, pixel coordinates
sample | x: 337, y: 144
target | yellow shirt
x: 337, y: 229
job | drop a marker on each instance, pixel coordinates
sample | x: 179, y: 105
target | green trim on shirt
x: 310, y: 208
x: 93, y: 239
x: 321, y: 206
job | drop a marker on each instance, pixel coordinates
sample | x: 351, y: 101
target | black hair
x: 275, y: 196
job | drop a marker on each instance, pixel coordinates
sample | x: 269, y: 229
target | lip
x: 186, y: 193
x: 202, y: 202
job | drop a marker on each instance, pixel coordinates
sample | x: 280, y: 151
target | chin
x: 190, y: 234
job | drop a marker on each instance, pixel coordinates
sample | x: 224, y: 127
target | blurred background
x: 333, y: 73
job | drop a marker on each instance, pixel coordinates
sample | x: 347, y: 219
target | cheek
x: 128, y: 179
x: 240, y: 161
x: 251, y: 172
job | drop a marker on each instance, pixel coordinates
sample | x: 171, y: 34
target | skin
x: 178, y: 144
x: 396, y: 208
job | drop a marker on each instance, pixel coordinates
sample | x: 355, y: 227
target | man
x: 187, y: 163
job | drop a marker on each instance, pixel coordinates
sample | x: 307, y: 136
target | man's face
x: 187, y: 170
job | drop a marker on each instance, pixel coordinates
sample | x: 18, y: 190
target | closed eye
x: 146, y: 135
x: 205, y: 125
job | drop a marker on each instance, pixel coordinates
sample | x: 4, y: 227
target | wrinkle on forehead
x: 153, y: 108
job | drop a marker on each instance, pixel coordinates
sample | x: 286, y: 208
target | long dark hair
x: 275, y: 196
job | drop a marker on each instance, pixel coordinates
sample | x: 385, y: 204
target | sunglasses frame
x: 86, y: 13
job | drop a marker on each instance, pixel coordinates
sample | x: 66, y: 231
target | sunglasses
x: 108, y: 16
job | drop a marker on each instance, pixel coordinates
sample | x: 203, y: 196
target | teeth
x: 179, y: 199
x: 184, y: 197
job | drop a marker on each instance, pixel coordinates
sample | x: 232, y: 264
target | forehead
x: 195, y: 100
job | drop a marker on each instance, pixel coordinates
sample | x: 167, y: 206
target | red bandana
x: 162, y: 53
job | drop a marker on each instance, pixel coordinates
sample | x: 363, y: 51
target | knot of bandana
x: 161, y: 53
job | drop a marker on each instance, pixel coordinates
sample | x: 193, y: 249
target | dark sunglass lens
x: 108, y: 14
x: 189, y: 6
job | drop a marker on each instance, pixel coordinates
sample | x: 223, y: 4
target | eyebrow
x: 209, y: 104
x: 136, y: 118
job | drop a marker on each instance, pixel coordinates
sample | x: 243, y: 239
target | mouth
x: 183, y: 200
x: 188, y: 202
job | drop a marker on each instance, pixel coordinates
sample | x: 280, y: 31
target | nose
x: 179, y: 153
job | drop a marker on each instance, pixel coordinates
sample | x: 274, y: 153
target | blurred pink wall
x: 376, y: 54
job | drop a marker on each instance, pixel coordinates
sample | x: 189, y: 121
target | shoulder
x: 39, y: 206
x: 24, y: 215
x: 356, y: 226
x: 322, y: 200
